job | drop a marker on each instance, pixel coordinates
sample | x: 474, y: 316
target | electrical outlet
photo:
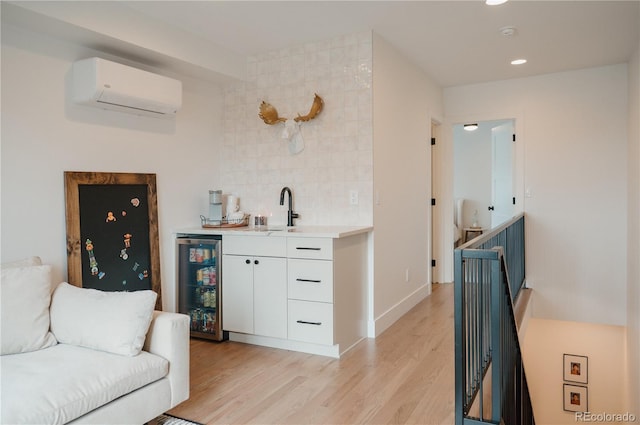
x: 528, y: 193
x: 353, y: 197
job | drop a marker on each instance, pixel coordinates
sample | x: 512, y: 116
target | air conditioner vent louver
x: 130, y: 107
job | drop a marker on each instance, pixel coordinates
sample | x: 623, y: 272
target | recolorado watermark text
x: 605, y: 417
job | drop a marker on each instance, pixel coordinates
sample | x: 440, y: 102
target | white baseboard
x: 287, y: 344
x: 389, y: 317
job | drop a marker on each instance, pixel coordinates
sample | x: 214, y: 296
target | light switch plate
x: 353, y: 197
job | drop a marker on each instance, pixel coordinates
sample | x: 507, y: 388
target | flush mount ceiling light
x: 518, y: 62
x: 470, y: 127
x: 494, y: 2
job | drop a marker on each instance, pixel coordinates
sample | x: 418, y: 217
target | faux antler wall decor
x: 291, y: 130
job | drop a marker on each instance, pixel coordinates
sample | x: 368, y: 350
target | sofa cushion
x: 116, y: 322
x: 25, y: 262
x: 24, y: 312
x: 61, y: 383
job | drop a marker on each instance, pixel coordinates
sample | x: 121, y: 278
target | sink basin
x: 273, y: 229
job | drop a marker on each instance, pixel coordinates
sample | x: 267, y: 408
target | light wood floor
x: 405, y: 376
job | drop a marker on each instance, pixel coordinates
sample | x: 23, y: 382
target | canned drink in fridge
x: 211, y: 322
x: 205, y: 322
x: 206, y: 255
x: 199, y: 277
x: 192, y: 255
x: 193, y: 315
x: 200, y: 319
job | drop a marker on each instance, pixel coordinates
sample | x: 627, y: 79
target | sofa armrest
x: 168, y: 337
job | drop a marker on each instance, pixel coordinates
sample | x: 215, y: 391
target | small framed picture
x: 576, y: 368
x: 575, y: 398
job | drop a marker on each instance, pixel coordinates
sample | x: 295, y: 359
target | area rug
x: 167, y: 419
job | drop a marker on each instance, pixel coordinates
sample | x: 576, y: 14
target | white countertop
x: 280, y: 231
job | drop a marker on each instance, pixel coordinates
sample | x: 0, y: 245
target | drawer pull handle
x: 308, y: 280
x: 306, y: 248
x: 304, y: 322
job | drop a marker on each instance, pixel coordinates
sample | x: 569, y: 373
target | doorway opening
x: 483, y: 177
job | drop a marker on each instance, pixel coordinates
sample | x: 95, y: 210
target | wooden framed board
x: 112, y: 231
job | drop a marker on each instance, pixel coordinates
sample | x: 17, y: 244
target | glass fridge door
x: 198, y: 271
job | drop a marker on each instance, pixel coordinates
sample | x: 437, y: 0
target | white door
x: 501, y: 174
x: 270, y: 296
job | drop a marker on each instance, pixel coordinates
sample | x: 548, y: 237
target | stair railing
x: 490, y: 377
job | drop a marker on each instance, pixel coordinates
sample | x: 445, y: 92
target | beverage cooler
x: 199, y: 285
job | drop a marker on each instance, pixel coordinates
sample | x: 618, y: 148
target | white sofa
x: 75, y: 355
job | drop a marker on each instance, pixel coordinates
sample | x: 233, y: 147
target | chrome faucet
x: 291, y: 215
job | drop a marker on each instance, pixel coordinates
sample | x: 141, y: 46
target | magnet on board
x: 101, y: 275
x: 110, y: 217
x: 127, y: 240
x: 135, y: 202
x: 123, y: 254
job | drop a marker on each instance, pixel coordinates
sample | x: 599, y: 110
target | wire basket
x: 224, y: 223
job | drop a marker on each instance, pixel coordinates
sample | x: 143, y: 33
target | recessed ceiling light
x: 518, y: 61
x: 495, y: 2
x: 470, y: 127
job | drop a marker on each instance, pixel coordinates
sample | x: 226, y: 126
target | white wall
x: 574, y: 132
x: 43, y: 135
x: 633, y: 241
x: 405, y: 101
x: 337, y: 157
x: 544, y: 346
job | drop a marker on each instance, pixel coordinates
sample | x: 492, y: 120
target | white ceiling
x: 455, y: 42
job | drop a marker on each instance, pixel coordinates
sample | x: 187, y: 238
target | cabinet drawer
x: 310, y: 280
x: 314, y: 248
x: 254, y: 245
x: 311, y: 322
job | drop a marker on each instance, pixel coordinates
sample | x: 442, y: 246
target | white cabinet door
x: 237, y: 293
x: 270, y: 296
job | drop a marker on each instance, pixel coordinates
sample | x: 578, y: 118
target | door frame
x: 443, y: 178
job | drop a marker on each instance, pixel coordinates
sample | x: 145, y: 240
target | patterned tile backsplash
x: 338, y: 145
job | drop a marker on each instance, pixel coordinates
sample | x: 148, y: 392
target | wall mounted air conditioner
x: 109, y: 85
